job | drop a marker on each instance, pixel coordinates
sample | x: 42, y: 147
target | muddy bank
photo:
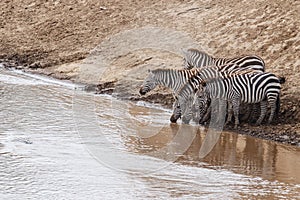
x: 43, y: 37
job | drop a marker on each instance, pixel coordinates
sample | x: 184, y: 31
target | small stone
x: 285, y: 137
x: 35, y: 65
x: 19, y: 67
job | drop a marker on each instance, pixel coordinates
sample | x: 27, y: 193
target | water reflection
x: 238, y: 153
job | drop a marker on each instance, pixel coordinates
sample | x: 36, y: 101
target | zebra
x: 195, y: 58
x: 241, y: 86
x: 170, y: 78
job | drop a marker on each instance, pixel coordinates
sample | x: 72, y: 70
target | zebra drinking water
x: 240, y: 86
x: 170, y: 78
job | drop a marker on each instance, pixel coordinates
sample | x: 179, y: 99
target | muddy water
x: 58, y: 142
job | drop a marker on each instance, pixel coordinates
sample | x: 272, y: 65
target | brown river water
x: 59, y: 142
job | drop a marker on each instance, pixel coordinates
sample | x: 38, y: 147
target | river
x: 60, y: 142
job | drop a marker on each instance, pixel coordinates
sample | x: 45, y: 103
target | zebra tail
x: 281, y: 80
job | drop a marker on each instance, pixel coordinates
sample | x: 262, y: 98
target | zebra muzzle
x: 173, y: 119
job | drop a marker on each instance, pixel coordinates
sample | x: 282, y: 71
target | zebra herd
x: 238, y: 80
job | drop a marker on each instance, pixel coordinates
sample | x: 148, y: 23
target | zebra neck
x: 172, y: 79
x: 190, y: 87
x: 185, y: 93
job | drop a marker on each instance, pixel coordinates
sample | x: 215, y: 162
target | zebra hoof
x: 270, y: 121
x: 258, y: 123
x: 142, y: 92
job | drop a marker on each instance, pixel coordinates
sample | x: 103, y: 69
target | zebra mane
x: 161, y: 70
x: 167, y: 70
x: 197, y: 51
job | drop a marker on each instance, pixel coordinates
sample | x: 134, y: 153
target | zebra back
x: 195, y: 58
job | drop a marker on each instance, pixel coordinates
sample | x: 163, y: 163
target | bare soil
x: 58, y: 38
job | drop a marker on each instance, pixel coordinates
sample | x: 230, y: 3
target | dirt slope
x: 49, y: 36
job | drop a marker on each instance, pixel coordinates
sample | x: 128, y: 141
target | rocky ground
x: 110, y: 44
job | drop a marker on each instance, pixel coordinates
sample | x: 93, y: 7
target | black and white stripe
x: 235, y: 87
x: 194, y: 58
x: 170, y: 78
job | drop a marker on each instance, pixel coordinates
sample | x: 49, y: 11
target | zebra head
x: 185, y: 107
x: 176, y: 112
x: 200, y: 106
x: 188, y: 112
x: 149, y: 83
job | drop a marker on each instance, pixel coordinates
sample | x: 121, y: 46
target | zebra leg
x: 206, y: 116
x: 255, y: 110
x: 229, y: 113
x: 248, y: 111
x: 263, y: 110
x: 214, y: 111
x: 187, y: 116
x: 236, y: 108
x: 196, y: 113
x: 187, y: 112
x: 220, y: 113
x: 273, y: 106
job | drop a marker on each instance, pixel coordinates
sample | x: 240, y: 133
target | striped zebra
x: 195, y: 58
x: 263, y: 88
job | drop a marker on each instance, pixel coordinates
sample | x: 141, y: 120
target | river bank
x: 284, y: 129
